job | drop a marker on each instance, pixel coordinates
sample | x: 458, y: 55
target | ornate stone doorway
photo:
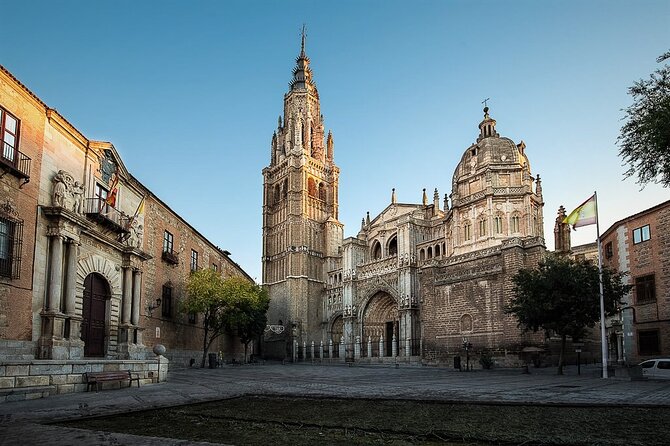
x: 94, y: 313
x: 380, y: 319
x: 336, y: 330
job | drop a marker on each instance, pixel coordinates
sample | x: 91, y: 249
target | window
x: 194, y: 260
x: 499, y: 226
x: 166, y: 301
x: 215, y: 267
x: 376, y: 251
x: 641, y: 234
x: 168, y: 242
x: 645, y: 289
x: 6, y: 248
x: 467, y: 229
x: 192, y: 318
x: 482, y: 228
x: 9, y: 131
x: 11, y: 235
x: 393, y: 246
x: 515, y: 223
x: 664, y: 365
x: 648, y: 342
x: 609, y: 252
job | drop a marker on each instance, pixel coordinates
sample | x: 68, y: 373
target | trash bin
x: 457, y: 362
x: 212, y: 360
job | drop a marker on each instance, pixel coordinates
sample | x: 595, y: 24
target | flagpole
x: 603, y: 339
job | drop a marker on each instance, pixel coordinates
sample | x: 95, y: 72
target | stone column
x: 394, y: 346
x: 357, y: 348
x: 342, y: 348
x: 71, y: 277
x: 330, y: 349
x: 381, y: 347
x: 127, y: 295
x: 137, y: 286
x: 369, y: 347
x: 56, y: 275
x: 321, y: 351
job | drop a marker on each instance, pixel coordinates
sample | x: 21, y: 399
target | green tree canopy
x: 644, y: 141
x: 233, y: 306
x: 563, y: 295
x: 247, y: 317
x: 205, y: 295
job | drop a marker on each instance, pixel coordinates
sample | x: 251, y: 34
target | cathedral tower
x: 302, y: 237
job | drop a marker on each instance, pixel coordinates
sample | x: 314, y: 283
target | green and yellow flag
x: 584, y: 214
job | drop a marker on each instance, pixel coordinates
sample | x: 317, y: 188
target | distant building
x: 92, y: 264
x: 640, y: 245
x: 419, y: 281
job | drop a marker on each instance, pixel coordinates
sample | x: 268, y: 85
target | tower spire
x: 302, y: 43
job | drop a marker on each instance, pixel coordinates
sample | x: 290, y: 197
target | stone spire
x: 561, y: 233
x: 538, y: 186
x: 394, y: 200
x: 329, y: 144
x: 487, y: 128
x: 425, y: 197
x: 446, y: 202
x: 302, y: 73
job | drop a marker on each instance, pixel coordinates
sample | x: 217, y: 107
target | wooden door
x: 96, y: 295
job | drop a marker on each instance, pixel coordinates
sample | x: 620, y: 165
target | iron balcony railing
x: 18, y: 162
x: 170, y: 256
x: 99, y: 210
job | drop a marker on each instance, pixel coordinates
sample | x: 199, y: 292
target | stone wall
x: 20, y: 380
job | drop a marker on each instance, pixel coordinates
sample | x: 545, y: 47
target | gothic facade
x: 419, y: 280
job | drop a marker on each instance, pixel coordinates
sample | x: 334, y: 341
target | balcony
x: 170, y: 257
x: 16, y: 162
x: 106, y: 215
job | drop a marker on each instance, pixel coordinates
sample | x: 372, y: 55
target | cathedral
x: 420, y: 282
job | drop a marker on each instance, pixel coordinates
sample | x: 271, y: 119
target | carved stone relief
x: 68, y: 193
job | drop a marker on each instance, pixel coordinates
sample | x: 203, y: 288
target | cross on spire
x: 485, y: 102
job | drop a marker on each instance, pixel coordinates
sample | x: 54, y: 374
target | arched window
x: 393, y: 246
x: 376, y: 250
x: 311, y: 187
x: 466, y: 322
x: 322, y: 192
x: 277, y: 194
x: 482, y: 228
x: 437, y: 250
x: 467, y: 231
x: 285, y: 188
x: 422, y: 254
x: 515, y: 223
x: 498, y: 224
x: 429, y: 252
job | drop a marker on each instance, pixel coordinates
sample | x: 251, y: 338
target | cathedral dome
x: 490, y: 153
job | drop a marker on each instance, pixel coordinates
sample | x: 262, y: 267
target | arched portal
x: 93, y: 327
x: 337, y: 329
x: 380, y: 318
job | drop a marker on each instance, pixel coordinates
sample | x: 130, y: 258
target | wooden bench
x: 97, y: 378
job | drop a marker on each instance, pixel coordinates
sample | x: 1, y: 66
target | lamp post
x: 467, y: 346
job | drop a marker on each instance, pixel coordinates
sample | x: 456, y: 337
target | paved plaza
x: 21, y: 422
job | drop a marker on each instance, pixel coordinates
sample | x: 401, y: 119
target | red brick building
x: 640, y: 245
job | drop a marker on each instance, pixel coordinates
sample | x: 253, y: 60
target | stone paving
x: 21, y: 423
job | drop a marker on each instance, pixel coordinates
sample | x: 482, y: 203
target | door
x: 389, y: 338
x: 96, y: 295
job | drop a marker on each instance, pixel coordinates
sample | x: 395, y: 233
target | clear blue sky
x: 189, y: 93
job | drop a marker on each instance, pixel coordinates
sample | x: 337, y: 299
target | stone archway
x: 337, y: 329
x: 108, y: 272
x: 380, y: 319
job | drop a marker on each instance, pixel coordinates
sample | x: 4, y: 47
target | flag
x: 114, y: 190
x: 140, y: 209
x: 584, y: 214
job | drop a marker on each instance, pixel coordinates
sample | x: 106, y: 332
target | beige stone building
x: 420, y: 280
x: 92, y: 264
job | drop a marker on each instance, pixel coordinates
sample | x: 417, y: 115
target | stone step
x: 26, y: 393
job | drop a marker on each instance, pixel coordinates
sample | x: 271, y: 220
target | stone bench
x: 97, y: 378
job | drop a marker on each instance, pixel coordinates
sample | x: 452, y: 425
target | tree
x: 247, y: 317
x: 205, y: 295
x: 645, y: 137
x: 563, y: 295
